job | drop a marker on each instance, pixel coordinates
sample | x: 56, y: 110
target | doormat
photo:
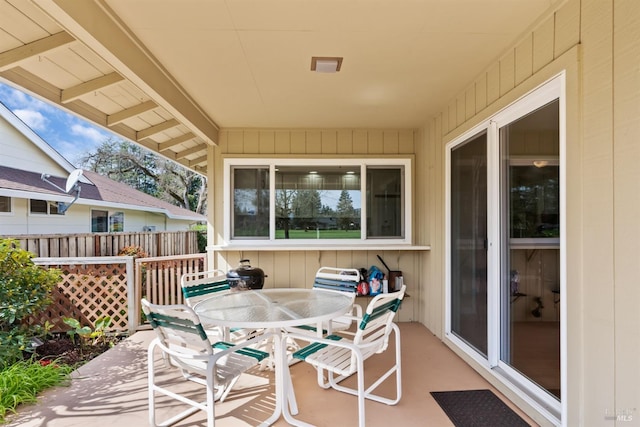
x: 477, y: 408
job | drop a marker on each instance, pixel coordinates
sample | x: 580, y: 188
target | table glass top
x: 273, y: 307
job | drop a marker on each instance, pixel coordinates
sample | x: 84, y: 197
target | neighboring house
x: 30, y: 205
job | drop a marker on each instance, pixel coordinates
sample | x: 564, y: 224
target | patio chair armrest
x: 243, y: 347
x: 358, y: 310
x: 318, y: 343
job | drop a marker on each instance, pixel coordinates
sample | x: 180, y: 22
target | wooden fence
x: 92, y: 287
x: 154, y: 243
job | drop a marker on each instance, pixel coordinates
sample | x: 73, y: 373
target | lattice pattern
x: 88, y: 292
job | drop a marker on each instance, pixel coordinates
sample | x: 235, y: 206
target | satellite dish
x: 72, y: 180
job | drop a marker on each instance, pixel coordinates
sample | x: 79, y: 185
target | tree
x: 284, y: 209
x: 131, y: 164
x: 307, y: 204
x: 345, y: 211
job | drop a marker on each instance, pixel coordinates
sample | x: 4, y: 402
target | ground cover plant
x: 22, y: 381
x: 32, y: 357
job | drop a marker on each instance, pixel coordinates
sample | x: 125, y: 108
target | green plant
x: 25, y: 290
x: 201, y: 236
x: 22, y: 381
x: 134, y: 251
x: 96, y: 335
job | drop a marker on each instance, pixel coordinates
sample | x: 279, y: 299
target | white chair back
x: 196, y: 286
x: 337, y: 279
x: 374, y: 329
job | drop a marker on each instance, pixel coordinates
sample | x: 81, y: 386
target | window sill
x: 380, y: 246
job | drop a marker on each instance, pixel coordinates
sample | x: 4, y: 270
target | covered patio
x: 112, y: 390
x: 424, y: 132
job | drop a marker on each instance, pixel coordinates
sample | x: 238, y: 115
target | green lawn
x: 319, y: 234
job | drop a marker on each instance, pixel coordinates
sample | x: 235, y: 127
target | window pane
x: 318, y: 202
x: 53, y: 209
x: 468, y: 242
x: 250, y: 202
x: 535, y: 201
x: 38, y: 206
x: 530, y: 150
x: 99, y: 221
x: 5, y: 204
x: 385, y: 213
x: 116, y: 222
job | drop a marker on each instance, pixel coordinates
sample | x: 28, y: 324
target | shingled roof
x: 102, y: 191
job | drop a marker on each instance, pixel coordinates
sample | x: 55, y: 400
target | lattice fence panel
x: 88, y: 292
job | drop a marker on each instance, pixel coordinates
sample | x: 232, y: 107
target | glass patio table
x: 275, y: 309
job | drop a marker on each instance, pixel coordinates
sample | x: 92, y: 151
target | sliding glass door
x: 468, y: 242
x: 505, y: 270
x: 530, y: 237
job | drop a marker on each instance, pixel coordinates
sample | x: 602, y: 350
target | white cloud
x: 90, y: 133
x: 34, y: 119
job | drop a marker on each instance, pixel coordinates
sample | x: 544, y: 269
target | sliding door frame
x: 533, y: 394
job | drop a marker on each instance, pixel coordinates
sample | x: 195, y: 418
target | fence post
x: 133, y: 301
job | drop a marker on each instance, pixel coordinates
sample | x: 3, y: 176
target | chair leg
x: 211, y: 398
x: 226, y: 389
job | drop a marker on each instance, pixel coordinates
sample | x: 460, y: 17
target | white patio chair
x: 203, y: 284
x: 341, y: 357
x: 197, y: 286
x: 217, y: 365
x: 333, y: 279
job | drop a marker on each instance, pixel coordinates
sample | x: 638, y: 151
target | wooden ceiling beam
x: 13, y: 57
x: 200, y: 160
x: 156, y: 129
x: 136, y: 110
x: 184, y: 153
x: 164, y: 146
x: 75, y: 92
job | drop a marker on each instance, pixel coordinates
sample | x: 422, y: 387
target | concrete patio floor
x: 111, y: 390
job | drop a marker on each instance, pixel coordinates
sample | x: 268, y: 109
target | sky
x: 66, y: 133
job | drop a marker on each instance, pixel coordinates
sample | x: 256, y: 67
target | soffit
x: 169, y: 73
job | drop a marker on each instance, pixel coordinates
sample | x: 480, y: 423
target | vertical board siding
x: 524, y: 60
x: 267, y: 142
x: 493, y: 83
x: 543, y: 46
x: 313, y: 143
x: 282, y: 143
x: 626, y: 205
x: 344, y: 142
x: 567, y: 27
x: 507, y: 73
x: 329, y: 142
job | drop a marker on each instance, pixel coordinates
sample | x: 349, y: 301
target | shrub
x: 134, y: 251
x: 201, y: 236
x: 25, y: 290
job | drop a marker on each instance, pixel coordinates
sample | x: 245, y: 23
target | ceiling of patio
x: 169, y: 74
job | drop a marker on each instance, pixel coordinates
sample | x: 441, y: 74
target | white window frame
x: 553, y: 89
x: 110, y: 215
x: 10, y: 211
x: 271, y: 163
x: 48, y: 213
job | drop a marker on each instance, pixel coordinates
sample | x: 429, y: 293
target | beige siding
x: 626, y: 198
x: 597, y: 287
x: 297, y: 268
x: 524, y: 60
x: 598, y: 43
